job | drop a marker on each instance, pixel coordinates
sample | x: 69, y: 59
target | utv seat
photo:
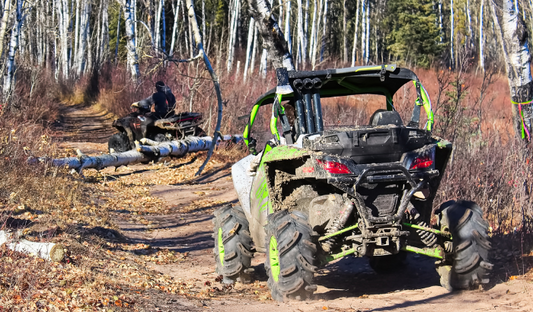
x: 383, y: 117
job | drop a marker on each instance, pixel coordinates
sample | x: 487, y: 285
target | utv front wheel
x: 290, y: 256
x: 233, y: 244
x: 119, y: 142
x: 470, y: 266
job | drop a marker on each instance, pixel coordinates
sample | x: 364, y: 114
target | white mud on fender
x: 242, y: 182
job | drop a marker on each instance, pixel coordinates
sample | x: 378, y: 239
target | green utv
x: 314, y: 195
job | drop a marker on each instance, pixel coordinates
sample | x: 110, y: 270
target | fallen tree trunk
x: 48, y: 251
x: 147, y: 151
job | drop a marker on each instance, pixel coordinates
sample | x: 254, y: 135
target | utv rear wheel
x: 233, y: 244
x: 119, y: 142
x: 290, y: 258
x: 470, y: 266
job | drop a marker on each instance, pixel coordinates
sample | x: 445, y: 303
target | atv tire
x: 290, y: 256
x: 470, y: 267
x: 119, y: 142
x: 233, y: 244
x: 388, y: 264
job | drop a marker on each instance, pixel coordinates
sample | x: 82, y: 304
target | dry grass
x: 489, y: 166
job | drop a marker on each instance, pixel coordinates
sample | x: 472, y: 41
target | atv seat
x: 383, y: 117
x: 179, y: 121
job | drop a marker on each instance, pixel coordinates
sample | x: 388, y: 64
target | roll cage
x: 306, y: 88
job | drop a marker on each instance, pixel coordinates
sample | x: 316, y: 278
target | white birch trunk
x: 452, y: 35
x: 481, y: 39
x: 440, y: 21
x: 514, y: 37
x: 174, y: 28
x: 354, y: 48
x: 3, y: 24
x: 254, y: 49
x: 104, y: 46
x: 131, y: 46
x: 470, y: 31
x: 249, y: 44
x: 280, y: 5
x: 203, y: 23
x: 234, y: 14
x: 134, y: 14
x: 317, y: 37
x: 288, y: 26
x: 164, y: 27
x: 76, y: 34
x: 84, y: 33
x: 312, y: 36
x: 48, y: 251
x: 273, y: 40
x: 367, y: 45
x: 324, y: 30
x: 344, y: 41
x: 363, y: 30
x: 9, y: 80
x: 157, y: 25
x: 302, y: 44
x: 62, y: 15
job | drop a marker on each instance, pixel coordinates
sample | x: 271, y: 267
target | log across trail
x: 145, y: 151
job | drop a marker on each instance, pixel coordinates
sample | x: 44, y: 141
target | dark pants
x: 149, y: 121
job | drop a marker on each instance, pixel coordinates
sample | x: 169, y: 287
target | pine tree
x: 413, y: 34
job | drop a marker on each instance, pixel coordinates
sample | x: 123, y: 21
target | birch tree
x: 481, y: 38
x: 174, y: 28
x: 514, y: 40
x: 356, y: 25
x: 249, y: 43
x: 131, y: 46
x: 3, y: 24
x: 9, y: 80
x: 273, y: 40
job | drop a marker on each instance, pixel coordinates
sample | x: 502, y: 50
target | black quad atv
x: 175, y: 127
x: 313, y: 196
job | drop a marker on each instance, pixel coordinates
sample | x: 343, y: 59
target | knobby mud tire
x: 119, y: 142
x: 471, y: 246
x: 233, y: 244
x: 291, y: 256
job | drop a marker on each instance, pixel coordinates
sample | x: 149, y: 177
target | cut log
x: 147, y: 151
x: 48, y: 251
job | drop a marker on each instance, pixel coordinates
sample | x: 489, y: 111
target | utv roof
x: 382, y: 80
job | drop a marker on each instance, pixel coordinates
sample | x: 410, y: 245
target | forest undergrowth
x: 489, y: 165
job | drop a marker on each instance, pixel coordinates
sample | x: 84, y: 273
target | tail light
x: 421, y: 162
x: 420, y: 159
x: 334, y: 167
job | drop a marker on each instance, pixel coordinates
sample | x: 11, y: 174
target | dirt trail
x: 346, y: 285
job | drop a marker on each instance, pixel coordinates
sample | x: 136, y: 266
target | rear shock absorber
x: 337, y: 224
x: 429, y: 239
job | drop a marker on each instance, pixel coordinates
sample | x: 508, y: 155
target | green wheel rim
x: 220, y: 246
x: 273, y: 255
